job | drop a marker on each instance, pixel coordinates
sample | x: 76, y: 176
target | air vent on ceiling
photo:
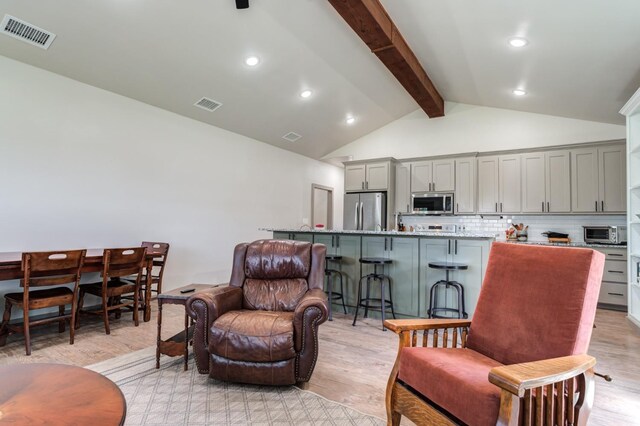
x: 291, y: 136
x: 17, y: 28
x: 208, y: 104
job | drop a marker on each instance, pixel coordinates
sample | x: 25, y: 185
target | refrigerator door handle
x: 357, y: 218
x: 361, y: 215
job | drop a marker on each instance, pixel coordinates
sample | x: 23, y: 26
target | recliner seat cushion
x: 253, y: 336
x: 455, y: 379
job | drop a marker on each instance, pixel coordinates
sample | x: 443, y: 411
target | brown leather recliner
x: 263, y: 328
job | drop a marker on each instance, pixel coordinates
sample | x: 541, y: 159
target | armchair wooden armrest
x: 400, y: 325
x: 556, y: 388
x: 517, y: 378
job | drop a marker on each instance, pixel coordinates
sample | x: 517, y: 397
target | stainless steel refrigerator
x: 365, y: 211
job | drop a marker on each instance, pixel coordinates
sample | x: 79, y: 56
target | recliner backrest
x: 536, y: 302
x: 275, y: 274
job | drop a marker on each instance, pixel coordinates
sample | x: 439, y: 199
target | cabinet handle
x: 543, y: 207
x: 366, y: 185
x: 434, y: 186
x: 391, y: 244
x: 362, y: 185
x: 616, y: 294
x: 449, y: 247
x: 408, y: 209
x: 333, y: 244
x: 616, y: 272
x: 457, y: 208
x: 456, y: 247
x: 385, y: 243
x: 337, y: 240
x: 601, y: 206
x: 548, y: 209
x: 500, y: 207
x: 496, y: 207
x: 596, y: 206
x: 615, y: 254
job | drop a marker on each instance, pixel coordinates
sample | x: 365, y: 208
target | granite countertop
x: 478, y: 235
x: 571, y: 244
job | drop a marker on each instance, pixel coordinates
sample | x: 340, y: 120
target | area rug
x: 172, y: 396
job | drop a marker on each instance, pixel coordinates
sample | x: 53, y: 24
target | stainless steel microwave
x: 605, y: 234
x: 432, y: 203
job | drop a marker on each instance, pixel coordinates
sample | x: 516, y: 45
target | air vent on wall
x: 208, y: 104
x: 291, y: 137
x: 17, y: 28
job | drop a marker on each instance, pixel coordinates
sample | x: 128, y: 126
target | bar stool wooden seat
x: 435, y: 308
x: 54, y: 270
x: 330, y: 273
x: 368, y: 302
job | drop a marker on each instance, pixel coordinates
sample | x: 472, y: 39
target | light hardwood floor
x: 353, y: 362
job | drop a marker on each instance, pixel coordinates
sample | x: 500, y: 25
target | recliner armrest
x: 315, y: 298
x: 517, y: 378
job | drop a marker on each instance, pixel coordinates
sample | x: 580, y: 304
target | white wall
x: 469, y: 128
x: 81, y: 167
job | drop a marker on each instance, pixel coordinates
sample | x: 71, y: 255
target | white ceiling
x: 582, y: 60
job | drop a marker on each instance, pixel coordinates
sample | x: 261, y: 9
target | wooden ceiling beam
x: 370, y: 21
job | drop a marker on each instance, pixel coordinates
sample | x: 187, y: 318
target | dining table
x: 11, y: 269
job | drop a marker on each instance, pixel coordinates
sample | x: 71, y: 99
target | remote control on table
x: 187, y: 290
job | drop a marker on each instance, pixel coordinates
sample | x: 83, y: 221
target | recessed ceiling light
x: 351, y: 120
x: 252, y: 61
x: 305, y: 93
x: 518, y: 42
x: 519, y: 92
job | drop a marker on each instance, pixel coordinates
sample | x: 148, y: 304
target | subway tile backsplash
x: 571, y: 225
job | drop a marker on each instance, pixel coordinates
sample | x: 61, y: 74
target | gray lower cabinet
x: 347, y: 246
x: 473, y: 253
x: 403, y: 271
x: 613, y: 290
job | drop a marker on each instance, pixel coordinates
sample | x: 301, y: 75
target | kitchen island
x: 411, y: 253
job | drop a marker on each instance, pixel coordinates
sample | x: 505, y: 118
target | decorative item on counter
x: 411, y: 229
x: 557, y: 237
x: 517, y: 232
x: 319, y: 226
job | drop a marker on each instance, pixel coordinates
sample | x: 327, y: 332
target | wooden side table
x: 57, y: 394
x: 178, y: 345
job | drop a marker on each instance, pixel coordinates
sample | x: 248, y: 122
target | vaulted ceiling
x: 581, y: 61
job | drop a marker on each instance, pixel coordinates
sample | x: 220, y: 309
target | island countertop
x: 424, y: 234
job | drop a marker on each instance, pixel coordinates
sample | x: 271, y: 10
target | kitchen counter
x: 424, y: 234
x: 571, y: 244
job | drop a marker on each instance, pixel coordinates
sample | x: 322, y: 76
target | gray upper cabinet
x: 558, y: 181
x: 436, y: 175
x: 465, y: 197
x: 403, y: 189
x: 534, y: 196
x: 546, y: 182
x: 598, y: 177
x: 367, y: 176
x: 488, y: 183
x: 509, y: 183
x: 612, y: 175
x: 354, y: 177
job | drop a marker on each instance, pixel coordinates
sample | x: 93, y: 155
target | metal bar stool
x: 378, y: 303
x: 434, y: 307
x: 330, y: 273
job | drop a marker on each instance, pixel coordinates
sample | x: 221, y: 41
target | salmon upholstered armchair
x: 521, y: 360
x: 263, y: 328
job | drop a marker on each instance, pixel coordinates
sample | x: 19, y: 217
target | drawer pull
x: 615, y: 254
x: 616, y: 294
x: 616, y: 272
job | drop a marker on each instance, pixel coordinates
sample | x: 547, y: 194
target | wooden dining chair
x: 55, y: 270
x: 158, y: 265
x: 118, y: 264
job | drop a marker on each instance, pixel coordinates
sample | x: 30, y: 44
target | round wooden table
x: 57, y: 394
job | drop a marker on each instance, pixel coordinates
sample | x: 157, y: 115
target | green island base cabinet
x: 411, y: 278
